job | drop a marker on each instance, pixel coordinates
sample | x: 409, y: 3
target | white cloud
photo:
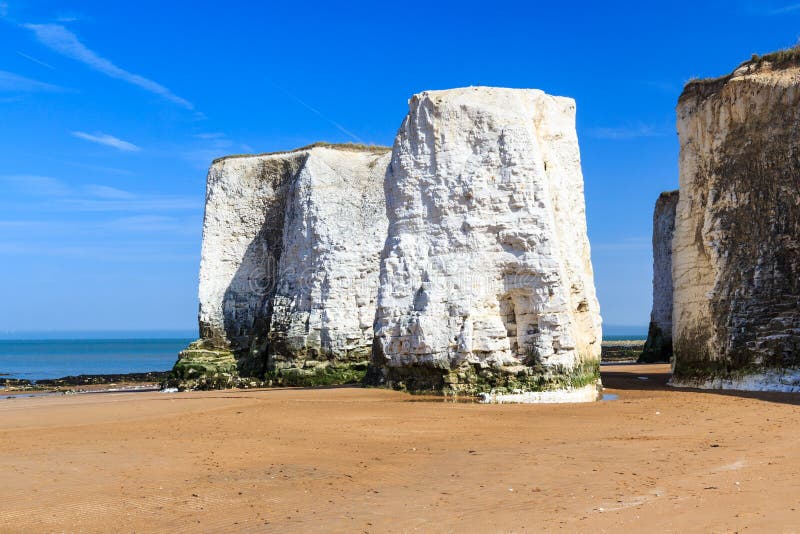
x: 104, y: 191
x: 63, y: 41
x: 57, y: 195
x: 10, y: 82
x: 108, y: 140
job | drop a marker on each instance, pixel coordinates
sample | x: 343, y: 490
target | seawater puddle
x: 609, y: 397
x: 28, y: 395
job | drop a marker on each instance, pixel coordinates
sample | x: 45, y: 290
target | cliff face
x: 486, y: 279
x: 658, y: 347
x: 289, y: 267
x: 736, y: 254
x: 334, y: 232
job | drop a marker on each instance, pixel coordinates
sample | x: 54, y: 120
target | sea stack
x: 289, y: 268
x: 658, y: 347
x: 736, y: 249
x: 486, y: 278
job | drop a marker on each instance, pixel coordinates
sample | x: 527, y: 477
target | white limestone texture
x: 486, y: 278
x: 290, y: 260
x: 659, y: 338
x: 334, y: 232
x: 736, y: 248
x: 588, y: 393
x: 782, y: 381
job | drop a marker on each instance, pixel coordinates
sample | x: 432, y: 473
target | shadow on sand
x: 654, y: 377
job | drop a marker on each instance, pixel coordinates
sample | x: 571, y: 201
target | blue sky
x: 110, y: 113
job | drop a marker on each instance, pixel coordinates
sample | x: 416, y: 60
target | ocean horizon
x: 43, y: 359
x: 56, y: 354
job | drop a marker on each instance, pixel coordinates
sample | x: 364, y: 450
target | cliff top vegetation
x: 780, y: 59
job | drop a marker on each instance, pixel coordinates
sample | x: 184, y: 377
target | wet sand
x: 367, y: 460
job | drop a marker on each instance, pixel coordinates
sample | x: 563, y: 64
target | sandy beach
x: 370, y: 460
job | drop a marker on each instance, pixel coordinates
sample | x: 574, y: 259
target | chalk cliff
x: 486, y: 278
x: 736, y: 248
x: 658, y: 347
x: 289, y: 268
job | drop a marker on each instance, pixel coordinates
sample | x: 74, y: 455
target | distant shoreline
x: 618, y: 349
x: 95, y: 335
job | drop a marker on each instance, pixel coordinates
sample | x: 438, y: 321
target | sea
x: 38, y: 356
x: 59, y: 355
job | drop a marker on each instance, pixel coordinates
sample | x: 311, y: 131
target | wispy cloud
x: 321, y: 115
x: 108, y: 140
x: 57, y: 195
x: 35, y: 185
x: 147, y: 253
x: 104, y: 191
x: 770, y: 8
x: 69, y: 17
x: 43, y: 216
x: 61, y: 40
x: 37, y: 61
x: 3, y: 9
x: 791, y: 8
x: 10, y: 82
x: 212, y: 145
x: 210, y: 135
x: 626, y: 132
x: 101, y: 168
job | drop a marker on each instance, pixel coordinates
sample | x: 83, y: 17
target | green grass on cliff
x: 780, y: 59
x: 787, y: 57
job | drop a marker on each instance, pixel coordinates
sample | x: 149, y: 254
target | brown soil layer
x: 371, y: 460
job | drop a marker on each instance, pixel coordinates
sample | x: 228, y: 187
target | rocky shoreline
x: 623, y: 351
x: 85, y: 383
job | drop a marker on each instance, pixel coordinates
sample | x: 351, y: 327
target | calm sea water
x: 55, y: 358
